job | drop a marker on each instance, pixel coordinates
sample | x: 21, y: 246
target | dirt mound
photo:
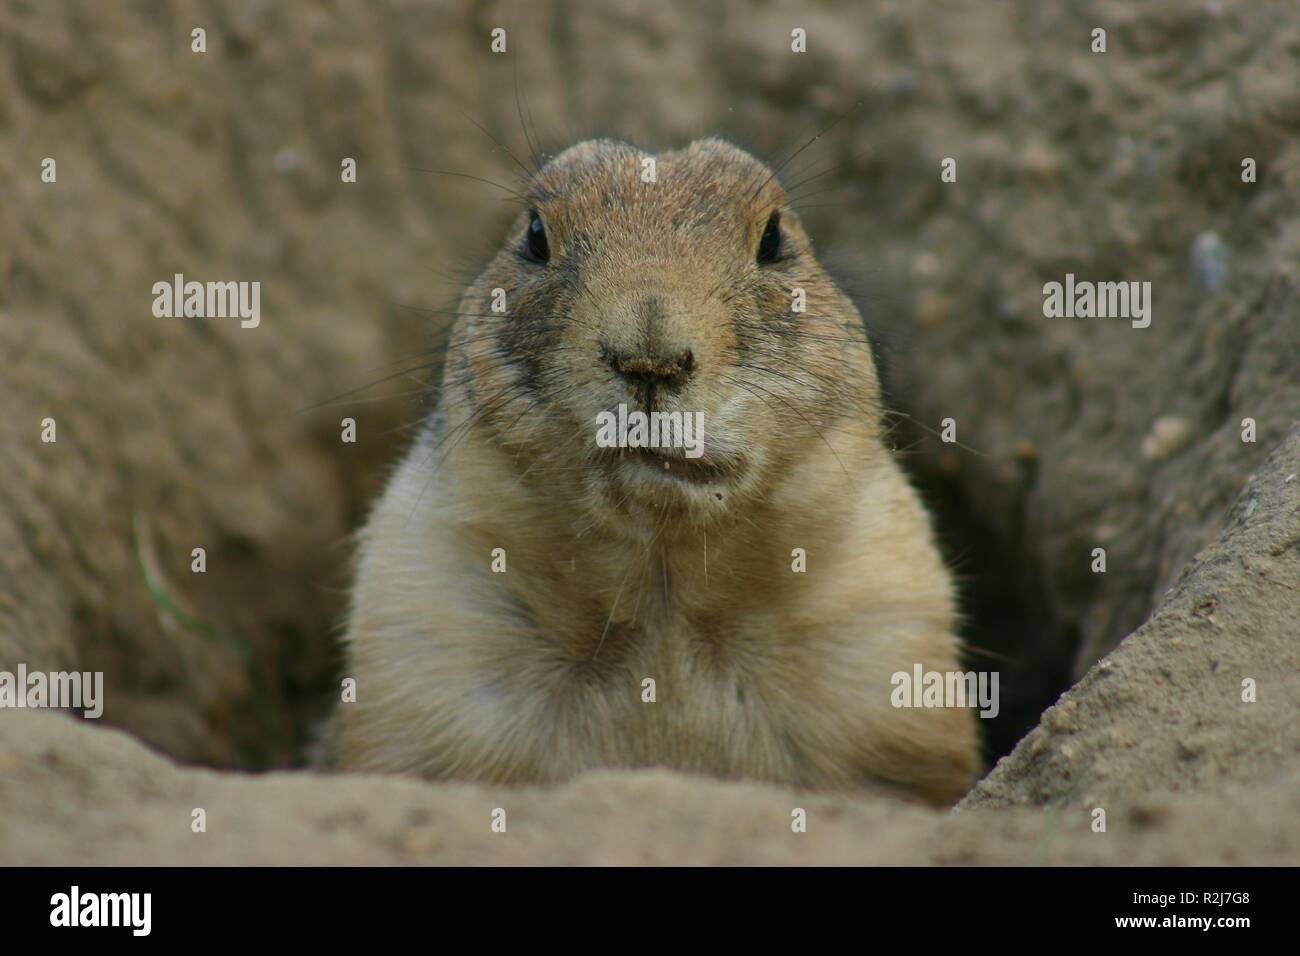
x: 1075, y: 434
x: 100, y: 798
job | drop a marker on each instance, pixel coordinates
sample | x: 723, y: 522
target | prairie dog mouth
x: 704, y: 470
x: 671, y: 444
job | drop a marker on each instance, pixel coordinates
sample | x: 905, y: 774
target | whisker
x: 478, y: 179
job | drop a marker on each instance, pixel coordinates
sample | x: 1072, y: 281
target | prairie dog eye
x: 539, y: 250
x: 769, y: 247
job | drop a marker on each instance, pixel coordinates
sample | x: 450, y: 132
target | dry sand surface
x: 1084, y: 433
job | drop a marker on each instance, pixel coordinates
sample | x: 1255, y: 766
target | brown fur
x: 616, y: 573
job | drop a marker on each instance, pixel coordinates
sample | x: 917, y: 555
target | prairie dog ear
x: 713, y: 146
x: 734, y: 166
x: 723, y: 151
x: 590, y: 152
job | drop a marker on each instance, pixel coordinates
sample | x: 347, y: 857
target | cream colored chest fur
x: 540, y: 672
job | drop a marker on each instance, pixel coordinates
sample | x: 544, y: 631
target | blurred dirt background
x: 1077, y: 433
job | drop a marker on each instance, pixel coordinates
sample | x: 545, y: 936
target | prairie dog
x: 622, y: 565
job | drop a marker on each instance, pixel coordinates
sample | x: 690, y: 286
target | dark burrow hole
x: 1007, y: 621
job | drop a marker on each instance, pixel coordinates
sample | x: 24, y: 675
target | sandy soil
x: 1083, y: 433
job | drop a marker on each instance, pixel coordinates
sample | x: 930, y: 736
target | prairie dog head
x: 679, y: 284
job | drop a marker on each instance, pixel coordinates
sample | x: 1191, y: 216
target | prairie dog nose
x: 648, y: 370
